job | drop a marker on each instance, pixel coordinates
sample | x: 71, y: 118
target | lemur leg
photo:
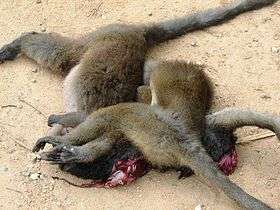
x: 78, y: 154
x: 80, y: 135
x: 205, y: 167
x: 233, y: 118
x: 71, y: 119
x: 61, y: 124
x: 144, y: 94
x: 57, y: 130
x: 48, y: 49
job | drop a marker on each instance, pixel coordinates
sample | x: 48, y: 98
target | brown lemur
x: 108, y: 63
x: 105, y: 66
x: 168, y: 133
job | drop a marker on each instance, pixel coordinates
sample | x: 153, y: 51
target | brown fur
x: 111, y: 58
x: 167, y: 133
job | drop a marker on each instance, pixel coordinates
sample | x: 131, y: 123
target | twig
x: 22, y: 145
x: 94, y: 11
x: 17, y: 141
x: 255, y: 137
x: 83, y: 185
x: 8, y: 188
x: 27, y: 103
x: 8, y: 105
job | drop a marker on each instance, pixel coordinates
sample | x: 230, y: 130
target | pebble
x: 35, y: 70
x: 247, y: 57
x: 275, y: 49
x: 35, y: 176
x: 265, y: 96
x: 25, y: 173
x: 268, y: 184
x: 3, y: 169
x: 194, y: 44
x: 255, y: 40
x: 38, y: 1
x: 34, y: 80
x: 200, y: 207
x: 43, y: 29
x: 266, y: 19
x: 150, y: 14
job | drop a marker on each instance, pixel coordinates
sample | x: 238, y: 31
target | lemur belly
x: 69, y: 92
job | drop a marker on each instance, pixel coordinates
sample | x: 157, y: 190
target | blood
x: 228, y: 162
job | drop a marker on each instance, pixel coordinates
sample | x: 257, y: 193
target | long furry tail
x: 172, y: 28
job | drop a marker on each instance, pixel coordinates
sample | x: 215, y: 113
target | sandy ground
x: 242, y: 59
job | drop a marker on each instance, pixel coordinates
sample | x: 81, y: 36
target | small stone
x: 265, y: 96
x: 200, y: 207
x: 25, y: 173
x: 35, y: 70
x: 275, y: 49
x: 3, y: 169
x: 38, y: 1
x: 268, y: 184
x: 266, y: 19
x: 194, y: 44
x: 34, y: 80
x: 255, y: 40
x: 20, y: 106
x: 247, y: 57
x: 43, y: 29
x: 35, y: 176
x: 150, y: 14
x: 246, y: 30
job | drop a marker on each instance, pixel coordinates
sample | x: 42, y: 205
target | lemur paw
x: 53, y: 119
x: 7, y: 53
x: 41, y: 143
x: 61, y: 154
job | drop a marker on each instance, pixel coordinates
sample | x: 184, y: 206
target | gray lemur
x: 168, y: 133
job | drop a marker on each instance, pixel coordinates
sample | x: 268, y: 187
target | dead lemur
x: 106, y: 65
x: 168, y: 133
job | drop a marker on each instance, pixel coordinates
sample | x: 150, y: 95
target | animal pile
x: 107, y: 136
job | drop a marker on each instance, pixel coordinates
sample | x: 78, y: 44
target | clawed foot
x: 53, y: 119
x: 58, y: 128
x: 8, y: 53
x: 61, y: 154
x: 41, y: 143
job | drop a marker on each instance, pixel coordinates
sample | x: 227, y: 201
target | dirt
x: 242, y: 56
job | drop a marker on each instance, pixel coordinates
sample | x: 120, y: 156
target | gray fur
x: 170, y: 29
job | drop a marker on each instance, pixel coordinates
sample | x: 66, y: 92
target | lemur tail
x: 170, y: 29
